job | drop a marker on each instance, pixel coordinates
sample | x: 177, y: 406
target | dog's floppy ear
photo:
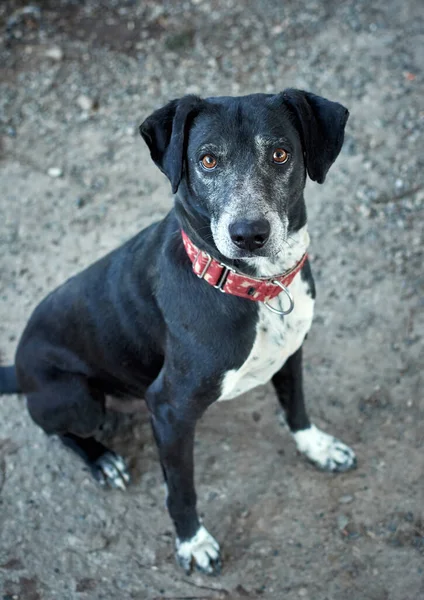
x: 321, y: 124
x: 165, y: 134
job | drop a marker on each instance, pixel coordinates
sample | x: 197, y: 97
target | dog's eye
x: 208, y: 161
x: 280, y: 156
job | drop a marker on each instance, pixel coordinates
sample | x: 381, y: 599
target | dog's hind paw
x: 110, y: 470
x: 201, y: 551
x: 325, y: 451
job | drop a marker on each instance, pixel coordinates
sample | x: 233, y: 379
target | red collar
x: 226, y: 279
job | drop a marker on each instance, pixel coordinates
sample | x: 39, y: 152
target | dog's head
x: 238, y: 165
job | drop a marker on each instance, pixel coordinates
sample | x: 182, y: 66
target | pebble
x: 346, y: 499
x: 364, y: 210
x: 342, y: 521
x: 55, y: 53
x: 72, y: 540
x: 85, y: 103
x: 55, y: 172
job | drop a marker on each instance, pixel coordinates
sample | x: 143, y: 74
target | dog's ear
x: 321, y: 124
x: 165, y: 134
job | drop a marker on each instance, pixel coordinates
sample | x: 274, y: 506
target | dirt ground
x: 77, y: 77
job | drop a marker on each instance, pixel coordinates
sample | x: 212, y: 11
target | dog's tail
x: 8, y: 381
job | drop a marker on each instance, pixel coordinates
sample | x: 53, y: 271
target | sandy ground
x: 76, y: 79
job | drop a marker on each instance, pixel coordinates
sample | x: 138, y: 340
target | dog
x: 210, y: 302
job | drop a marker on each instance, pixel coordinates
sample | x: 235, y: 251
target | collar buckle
x: 219, y: 285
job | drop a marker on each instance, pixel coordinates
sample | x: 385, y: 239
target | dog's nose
x: 250, y: 235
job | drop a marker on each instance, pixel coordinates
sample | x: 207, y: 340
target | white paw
x: 325, y: 451
x: 202, y: 550
x: 110, y: 469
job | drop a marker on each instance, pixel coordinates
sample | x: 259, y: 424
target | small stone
x: 342, y: 521
x: 72, y: 540
x: 277, y: 29
x: 364, y: 210
x: 303, y: 592
x: 55, y: 53
x: 410, y: 76
x: 131, y: 130
x: 346, y: 499
x: 85, y: 103
x: 55, y: 172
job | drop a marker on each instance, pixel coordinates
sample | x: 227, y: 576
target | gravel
x: 77, y: 78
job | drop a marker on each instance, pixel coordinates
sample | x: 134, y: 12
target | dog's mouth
x: 250, y: 256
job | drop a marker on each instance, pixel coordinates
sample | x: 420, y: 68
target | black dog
x: 140, y: 323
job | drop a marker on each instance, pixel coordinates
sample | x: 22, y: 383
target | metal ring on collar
x: 289, y: 296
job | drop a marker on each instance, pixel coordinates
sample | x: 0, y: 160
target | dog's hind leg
x: 107, y: 467
x: 71, y: 408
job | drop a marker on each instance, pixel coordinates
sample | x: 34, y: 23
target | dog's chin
x: 255, y: 255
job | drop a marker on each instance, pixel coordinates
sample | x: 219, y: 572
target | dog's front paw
x: 325, y: 451
x: 201, y: 551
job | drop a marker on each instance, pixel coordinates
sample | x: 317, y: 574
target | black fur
x: 139, y: 323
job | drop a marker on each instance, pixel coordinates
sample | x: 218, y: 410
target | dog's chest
x: 277, y: 338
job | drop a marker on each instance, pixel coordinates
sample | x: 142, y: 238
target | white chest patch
x: 277, y: 338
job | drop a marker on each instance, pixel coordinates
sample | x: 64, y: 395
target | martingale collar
x: 228, y: 280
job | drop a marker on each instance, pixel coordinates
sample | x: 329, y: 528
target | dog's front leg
x: 324, y: 450
x: 173, y: 424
